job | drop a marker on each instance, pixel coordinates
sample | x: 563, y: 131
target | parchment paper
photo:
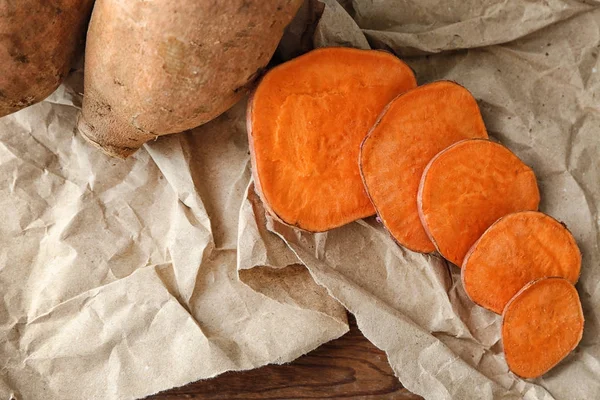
x: 123, y: 278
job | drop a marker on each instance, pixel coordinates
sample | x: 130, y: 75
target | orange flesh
x: 412, y: 130
x: 466, y: 188
x: 307, y: 120
x: 515, y: 250
x: 541, y: 325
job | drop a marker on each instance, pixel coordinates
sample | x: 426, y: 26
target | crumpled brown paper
x: 119, y: 278
x: 122, y: 278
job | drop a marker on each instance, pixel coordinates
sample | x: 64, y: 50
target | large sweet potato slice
x: 515, y: 250
x: 413, y: 128
x: 466, y: 188
x: 306, y: 121
x: 541, y: 325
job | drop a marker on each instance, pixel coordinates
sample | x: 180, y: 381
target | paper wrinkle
x: 293, y: 285
x: 385, y: 323
x: 256, y: 245
x: 430, y: 27
x: 354, y: 259
x: 337, y: 28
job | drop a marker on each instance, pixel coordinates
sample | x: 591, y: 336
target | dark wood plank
x: 349, y: 367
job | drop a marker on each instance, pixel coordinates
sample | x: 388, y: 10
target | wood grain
x: 349, y: 367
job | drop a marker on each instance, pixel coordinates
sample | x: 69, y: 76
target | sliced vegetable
x: 466, y: 188
x: 515, y: 250
x: 541, y: 325
x: 306, y: 121
x: 413, y: 128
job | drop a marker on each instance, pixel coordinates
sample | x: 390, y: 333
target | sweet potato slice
x: 541, y: 325
x: 466, y: 188
x: 306, y: 121
x: 413, y: 128
x: 515, y: 250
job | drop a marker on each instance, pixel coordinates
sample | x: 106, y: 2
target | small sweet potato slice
x: 466, y: 188
x: 412, y: 129
x: 306, y: 121
x: 541, y: 325
x: 515, y: 250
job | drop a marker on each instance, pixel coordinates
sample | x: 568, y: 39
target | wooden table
x: 349, y: 367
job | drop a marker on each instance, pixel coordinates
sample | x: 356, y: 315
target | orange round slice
x: 413, y: 128
x: 466, y: 188
x: 541, y: 325
x: 515, y: 250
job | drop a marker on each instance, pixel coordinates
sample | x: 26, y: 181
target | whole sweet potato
x: 155, y: 68
x: 38, y: 40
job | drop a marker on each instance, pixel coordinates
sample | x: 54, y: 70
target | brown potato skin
x: 156, y: 68
x: 38, y: 41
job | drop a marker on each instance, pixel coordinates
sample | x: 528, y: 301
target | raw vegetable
x: 515, y: 250
x: 38, y: 41
x: 160, y: 67
x: 541, y: 325
x: 413, y: 128
x: 466, y: 188
x: 306, y: 122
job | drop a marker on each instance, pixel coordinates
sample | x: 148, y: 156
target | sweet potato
x: 412, y: 129
x: 38, y: 41
x: 541, y: 325
x: 306, y: 121
x: 515, y: 250
x: 466, y: 188
x: 160, y: 67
